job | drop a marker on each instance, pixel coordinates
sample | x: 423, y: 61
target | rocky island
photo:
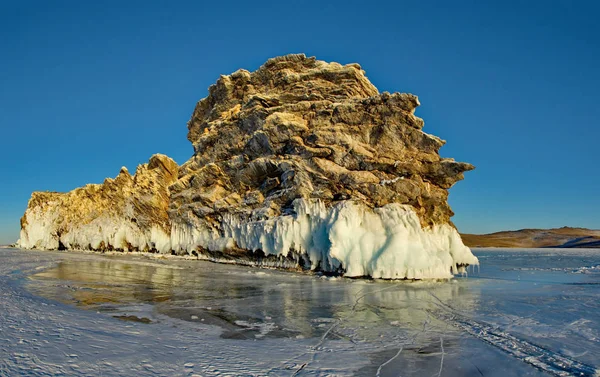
x: 301, y: 164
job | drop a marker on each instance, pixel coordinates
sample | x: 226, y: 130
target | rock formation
x: 300, y: 164
x: 125, y: 213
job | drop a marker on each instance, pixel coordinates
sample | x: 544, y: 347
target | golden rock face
x: 296, y: 133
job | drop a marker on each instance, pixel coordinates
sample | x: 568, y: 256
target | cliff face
x: 300, y: 164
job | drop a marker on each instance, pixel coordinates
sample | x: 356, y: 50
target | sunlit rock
x: 301, y: 164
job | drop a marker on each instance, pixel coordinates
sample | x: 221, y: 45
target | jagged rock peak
x: 288, y: 79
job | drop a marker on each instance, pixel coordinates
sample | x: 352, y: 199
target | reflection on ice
x: 252, y: 302
x: 534, y: 307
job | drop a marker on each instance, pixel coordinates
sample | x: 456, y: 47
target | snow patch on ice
x: 577, y: 270
x: 264, y: 328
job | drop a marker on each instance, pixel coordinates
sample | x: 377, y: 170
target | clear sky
x: 89, y: 86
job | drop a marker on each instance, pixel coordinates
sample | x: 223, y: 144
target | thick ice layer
x: 102, y: 233
x: 386, y: 242
x: 40, y: 230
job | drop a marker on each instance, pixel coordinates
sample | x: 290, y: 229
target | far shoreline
x: 537, y: 249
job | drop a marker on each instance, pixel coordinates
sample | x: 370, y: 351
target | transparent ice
x: 522, y: 312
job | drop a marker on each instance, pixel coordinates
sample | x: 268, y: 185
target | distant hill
x: 560, y: 237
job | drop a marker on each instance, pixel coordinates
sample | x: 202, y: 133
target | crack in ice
x: 537, y: 356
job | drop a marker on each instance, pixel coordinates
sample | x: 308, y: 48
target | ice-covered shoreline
x: 348, y: 238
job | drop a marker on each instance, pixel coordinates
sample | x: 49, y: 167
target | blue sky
x: 87, y: 87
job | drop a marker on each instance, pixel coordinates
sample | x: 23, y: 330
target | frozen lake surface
x: 523, y: 312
